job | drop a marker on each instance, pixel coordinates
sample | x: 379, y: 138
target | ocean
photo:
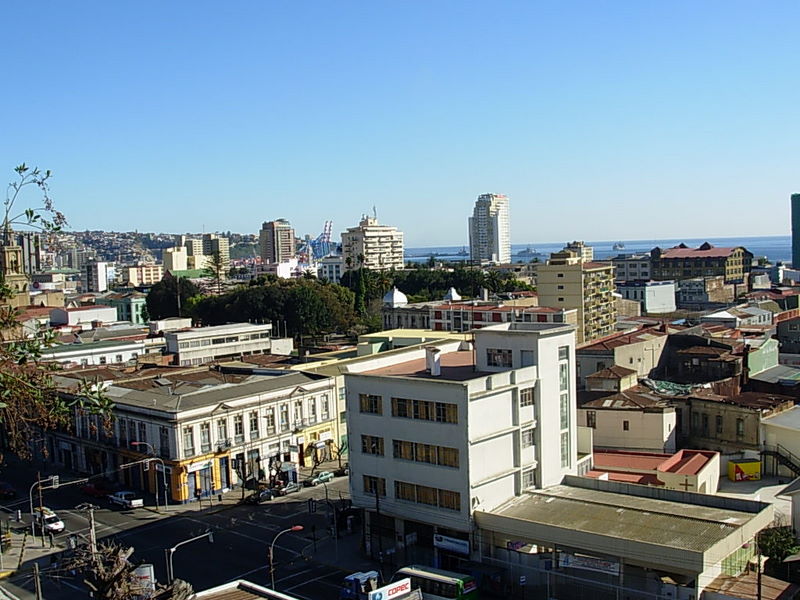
x: 774, y: 247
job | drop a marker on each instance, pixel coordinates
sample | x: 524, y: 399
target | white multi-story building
x: 330, y: 268
x: 85, y: 317
x: 655, y: 297
x: 143, y: 275
x: 447, y: 432
x: 212, y: 428
x: 175, y: 259
x: 204, y: 344
x: 372, y: 246
x: 97, y: 276
x: 489, y: 230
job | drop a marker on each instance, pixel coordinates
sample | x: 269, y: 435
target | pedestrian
x: 52, y: 539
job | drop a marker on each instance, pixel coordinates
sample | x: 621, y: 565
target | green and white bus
x: 438, y: 584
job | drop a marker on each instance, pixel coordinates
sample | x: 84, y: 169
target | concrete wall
x: 647, y: 431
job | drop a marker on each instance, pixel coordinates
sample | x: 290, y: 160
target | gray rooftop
x: 695, y: 524
x: 778, y: 373
x: 193, y: 395
x: 790, y: 419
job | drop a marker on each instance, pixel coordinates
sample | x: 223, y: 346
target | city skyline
x: 643, y: 121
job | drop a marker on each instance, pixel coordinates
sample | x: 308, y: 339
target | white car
x: 126, y: 499
x: 47, y: 520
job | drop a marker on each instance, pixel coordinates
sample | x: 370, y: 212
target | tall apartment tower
x: 489, y: 230
x: 277, y: 241
x: 795, y: 231
x: 566, y: 281
x: 372, y: 246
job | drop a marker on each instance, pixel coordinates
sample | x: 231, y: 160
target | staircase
x: 783, y: 457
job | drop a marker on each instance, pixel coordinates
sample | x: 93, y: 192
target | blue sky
x: 600, y: 120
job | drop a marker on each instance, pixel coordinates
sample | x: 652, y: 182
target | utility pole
x: 41, y: 505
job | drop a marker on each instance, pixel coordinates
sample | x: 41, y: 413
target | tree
x: 162, y: 300
x: 30, y: 399
x: 110, y: 575
x: 216, y: 269
x: 777, y: 543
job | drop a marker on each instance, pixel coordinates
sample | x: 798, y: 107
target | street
x: 305, y: 562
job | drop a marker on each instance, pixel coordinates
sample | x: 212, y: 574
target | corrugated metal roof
x: 626, y: 517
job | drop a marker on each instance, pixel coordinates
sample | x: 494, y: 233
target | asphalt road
x: 242, y: 535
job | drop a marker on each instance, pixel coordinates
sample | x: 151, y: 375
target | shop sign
x: 326, y: 435
x: 588, y: 563
x: 394, y: 590
x: 199, y: 466
x: 452, y: 544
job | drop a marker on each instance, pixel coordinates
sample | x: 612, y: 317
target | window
x: 695, y: 421
x: 705, y: 424
x: 403, y: 450
x: 284, y: 417
x: 449, y: 500
x: 254, y: 425
x: 526, y: 397
x: 560, y: 287
x: 739, y: 427
x: 626, y: 426
x: 560, y: 275
x: 446, y: 412
x: 222, y: 431
x: 298, y: 411
x: 405, y: 491
x: 563, y: 376
x: 270, y: 417
x: 312, y: 410
x: 371, y: 444
x: 527, y: 438
x: 118, y: 358
x: 102, y: 360
x: 563, y: 353
x: 528, y: 478
x: 163, y: 442
x: 425, y: 453
x: 188, y: 441
x: 238, y: 429
x: 370, y: 403
x: 401, y: 408
x: 719, y: 423
x: 427, y: 495
x: 374, y: 485
x: 564, y: 408
x: 560, y: 299
x: 591, y: 419
x: 448, y: 457
x: 565, y: 450
x: 205, y: 437
x: 498, y: 357
x: 324, y: 407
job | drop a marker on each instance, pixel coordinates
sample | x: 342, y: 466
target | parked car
x: 259, y: 496
x: 126, y: 499
x: 7, y: 491
x: 321, y: 477
x: 343, y: 470
x: 47, y: 520
x: 289, y: 488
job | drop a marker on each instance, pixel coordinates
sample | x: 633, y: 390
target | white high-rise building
x: 489, y: 230
x: 97, y: 273
x: 373, y: 246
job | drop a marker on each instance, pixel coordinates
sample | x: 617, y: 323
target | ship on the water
x: 618, y: 246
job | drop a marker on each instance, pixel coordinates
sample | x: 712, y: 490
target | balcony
x: 223, y: 445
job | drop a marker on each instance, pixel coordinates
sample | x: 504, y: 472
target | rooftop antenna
x: 374, y: 212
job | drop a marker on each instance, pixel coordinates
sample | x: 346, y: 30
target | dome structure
x: 394, y: 298
x: 452, y: 295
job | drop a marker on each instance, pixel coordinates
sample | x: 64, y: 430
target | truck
x: 125, y: 499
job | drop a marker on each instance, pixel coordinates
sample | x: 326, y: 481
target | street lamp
x: 163, y: 472
x: 170, y: 551
x: 272, y: 547
x: 332, y: 508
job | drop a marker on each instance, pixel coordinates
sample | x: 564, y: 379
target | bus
x: 438, y: 584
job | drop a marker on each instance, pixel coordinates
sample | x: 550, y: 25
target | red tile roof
x: 621, y: 339
x: 614, y: 372
x: 704, y: 251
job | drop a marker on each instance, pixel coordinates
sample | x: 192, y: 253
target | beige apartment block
x: 567, y: 282
x: 373, y: 246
